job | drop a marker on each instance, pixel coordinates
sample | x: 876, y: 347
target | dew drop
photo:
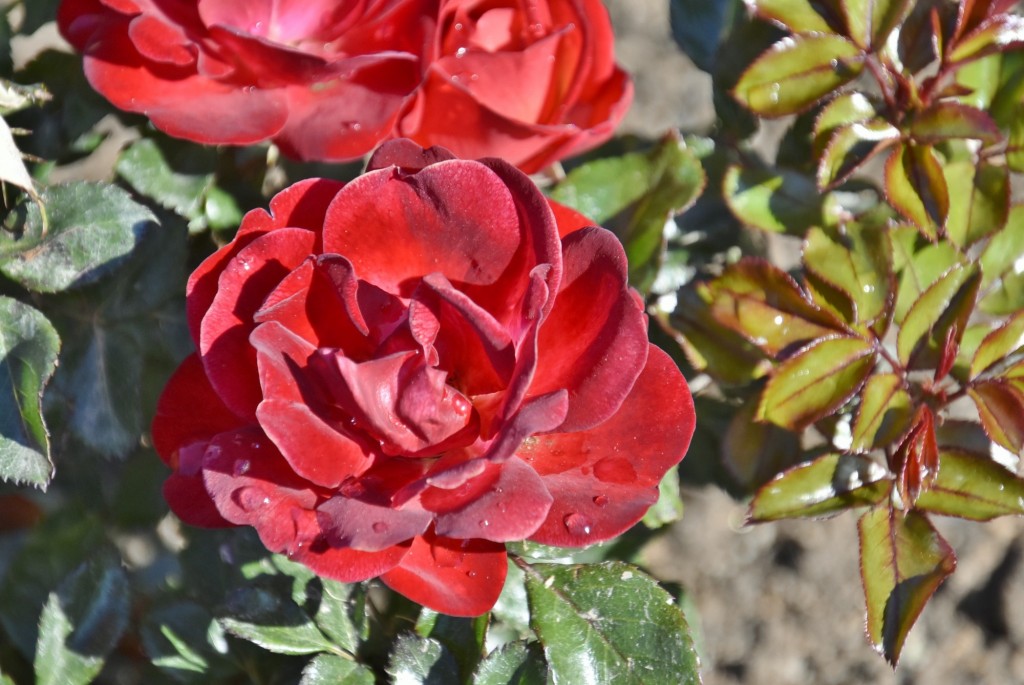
x: 461, y: 405
x: 251, y: 499
x: 600, y: 500
x: 461, y: 52
x: 615, y: 470
x: 577, y: 524
x: 471, y: 574
x: 241, y: 467
x: 459, y: 26
x: 483, y: 523
x: 380, y: 527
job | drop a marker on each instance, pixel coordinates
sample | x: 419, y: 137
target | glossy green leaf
x: 799, y: 16
x: 845, y: 109
x: 903, y: 561
x: 754, y: 452
x: 943, y: 307
x: 1001, y: 34
x: 945, y: 120
x: 515, y: 663
x: 920, y: 270
x: 608, y: 622
x: 869, y: 22
x: 82, y: 623
x: 421, y: 661
x: 777, y: 201
x: 998, y: 345
x: 765, y: 305
x: 915, y: 186
x: 462, y: 637
x: 28, y: 357
x: 858, y: 261
x: 1000, y: 404
x: 341, y: 612
x: 274, y: 623
x: 885, y: 413
x: 981, y: 203
x: 796, y: 72
x: 816, y: 381
x: 91, y: 229
x: 850, y: 146
x: 973, y: 487
x: 328, y: 669
x: 184, y: 641
x: 825, y: 486
x: 669, y: 507
x: 1002, y: 267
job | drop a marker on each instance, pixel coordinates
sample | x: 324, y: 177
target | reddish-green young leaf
x: 851, y: 146
x: 754, y: 452
x: 969, y: 344
x: 1001, y: 33
x: 816, y: 381
x: 947, y: 303
x: 916, y: 460
x: 764, y: 304
x: 846, y: 108
x: 947, y: 120
x: 799, y: 16
x: 903, y: 560
x: 777, y: 201
x: 857, y: 261
x: 796, y: 72
x: 973, y: 487
x: 915, y: 186
x: 885, y: 413
x: 869, y: 22
x: 829, y: 298
x: 920, y: 269
x: 998, y: 345
x: 827, y: 485
x: 980, y: 203
x: 1000, y: 404
x: 1002, y: 267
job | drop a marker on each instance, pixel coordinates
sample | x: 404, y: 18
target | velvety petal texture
x: 397, y: 376
x: 331, y: 79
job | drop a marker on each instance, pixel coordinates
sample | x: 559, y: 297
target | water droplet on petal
x: 484, y: 523
x: 251, y: 499
x: 471, y: 574
x: 461, y: 405
x: 380, y: 527
x: 601, y: 500
x: 615, y: 470
x: 241, y: 467
x: 461, y: 52
x: 577, y: 524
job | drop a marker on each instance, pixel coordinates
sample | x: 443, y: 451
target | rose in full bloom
x: 531, y: 82
x: 330, y: 79
x: 397, y: 376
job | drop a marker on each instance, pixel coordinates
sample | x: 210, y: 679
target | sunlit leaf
x: 799, y: 16
x: 920, y: 270
x: 669, y: 507
x: 462, y: 637
x: 946, y: 120
x: 825, y: 486
x: 421, y: 661
x: 274, y: 623
x: 999, y: 344
x: 845, y: 109
x: 816, y: 381
x: 850, y: 146
x: 981, y: 79
x: 981, y: 203
x: 515, y: 663
x: 796, y: 72
x: 998, y: 34
x: 973, y: 487
x: 870, y: 22
x: 328, y: 669
x: 916, y: 460
x: 777, y: 201
x: 885, y: 413
x: 1000, y: 404
x: 943, y: 307
x: 12, y: 166
x: 903, y: 562
x: 916, y: 187
x: 1002, y: 267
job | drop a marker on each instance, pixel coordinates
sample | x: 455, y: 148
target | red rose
x: 324, y: 79
x: 396, y: 377
x: 529, y: 82
x: 329, y: 80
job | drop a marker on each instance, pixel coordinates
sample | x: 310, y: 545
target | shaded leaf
x: 903, y: 561
x: 942, y: 308
x: 981, y: 203
x: 421, y: 661
x: 816, y: 381
x: 328, y: 669
x: 28, y: 357
x: 515, y: 663
x: 945, y: 120
x: 91, y: 229
x: 274, y: 623
x: 462, y: 637
x: 669, y: 507
x: 184, y: 641
x: 851, y: 146
x: 870, y: 22
x: 608, y: 622
x: 915, y: 185
x: 698, y: 27
x: 796, y: 72
x: 754, y: 452
x: 777, y: 201
x: 973, y: 487
x: 1000, y: 404
x: 825, y: 486
x: 885, y: 413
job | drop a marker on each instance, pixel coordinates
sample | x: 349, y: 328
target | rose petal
x: 342, y: 564
x: 188, y: 499
x: 406, y: 155
x: 282, y: 360
x: 348, y: 522
x: 605, y: 478
x: 454, y: 577
x: 568, y: 219
x: 160, y: 41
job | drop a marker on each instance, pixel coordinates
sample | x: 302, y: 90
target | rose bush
x: 329, y: 80
x: 397, y: 376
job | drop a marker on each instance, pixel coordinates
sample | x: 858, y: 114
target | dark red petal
x: 568, y: 219
x: 282, y: 358
x: 507, y: 502
x: 189, y: 410
x: 406, y: 155
x: 160, y: 41
x: 594, y: 342
x: 454, y: 577
x: 348, y: 522
x: 188, y: 499
x: 604, y: 479
x: 244, y: 284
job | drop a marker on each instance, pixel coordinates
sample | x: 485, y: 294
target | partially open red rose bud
x: 397, y: 376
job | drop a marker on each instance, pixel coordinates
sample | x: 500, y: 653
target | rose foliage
x: 396, y: 376
x: 329, y: 80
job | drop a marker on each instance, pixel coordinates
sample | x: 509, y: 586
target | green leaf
x: 753, y: 452
x: 796, y: 72
x: 669, y: 507
x: 608, y: 622
x: 885, y: 413
x: 828, y: 485
x: 946, y: 120
x: 777, y: 201
x: 915, y: 186
x: 1009, y: 92
x: 328, y: 669
x: 1000, y: 404
x: 921, y: 269
x: 422, y: 661
x: 462, y: 637
x: 941, y: 311
x: 844, y: 109
x: 981, y: 79
x: 1000, y: 34
x: 28, y: 357
x: 972, y: 487
x: 1002, y: 267
x: 274, y: 623
x: 903, y: 562
x: 82, y: 623
x: 91, y: 229
x: 184, y: 641
x: 698, y: 27
x: 799, y: 16
x: 850, y: 147
x: 981, y: 204
x: 816, y: 381
x: 998, y: 345
x: 1015, y: 141
x: 869, y: 22
x: 515, y: 663
x: 12, y: 166
x: 341, y: 612
x: 858, y: 261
